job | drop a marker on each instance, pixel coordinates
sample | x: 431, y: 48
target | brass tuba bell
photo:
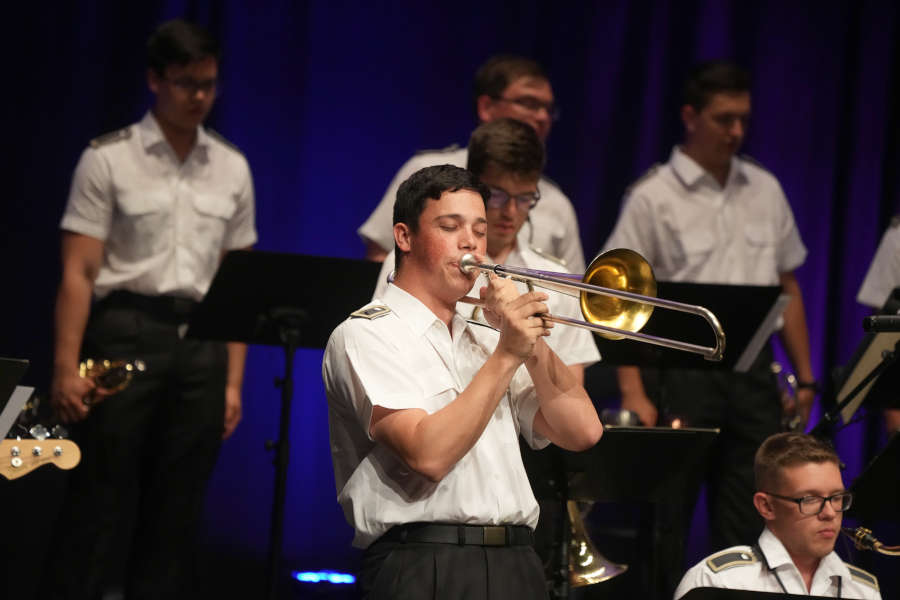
x: 586, y: 565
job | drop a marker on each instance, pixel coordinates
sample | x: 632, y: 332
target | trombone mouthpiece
x: 467, y: 263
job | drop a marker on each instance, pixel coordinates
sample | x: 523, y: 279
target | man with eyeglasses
x: 709, y: 215
x: 508, y: 156
x: 152, y: 209
x: 505, y: 86
x: 801, y: 497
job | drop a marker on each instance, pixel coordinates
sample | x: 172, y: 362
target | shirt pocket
x: 761, y: 248
x: 142, y: 223
x: 212, y: 213
x: 691, y: 248
x: 438, y: 389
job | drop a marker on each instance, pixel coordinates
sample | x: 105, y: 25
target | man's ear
x: 689, y: 118
x: 153, y: 81
x: 763, y: 505
x: 485, y: 108
x: 402, y: 236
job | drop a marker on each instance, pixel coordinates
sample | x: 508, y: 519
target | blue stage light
x: 323, y: 577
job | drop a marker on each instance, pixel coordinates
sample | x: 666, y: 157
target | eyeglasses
x: 499, y: 198
x: 192, y: 86
x: 813, y: 505
x: 532, y: 104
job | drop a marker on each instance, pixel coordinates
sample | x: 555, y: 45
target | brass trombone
x: 617, y: 293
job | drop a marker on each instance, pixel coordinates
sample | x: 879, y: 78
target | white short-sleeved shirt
x: 406, y: 358
x: 552, y: 225
x: 884, y: 272
x: 739, y: 568
x: 571, y: 344
x: 164, y: 223
x: 692, y: 229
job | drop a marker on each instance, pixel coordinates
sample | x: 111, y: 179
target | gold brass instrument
x: 110, y: 375
x: 586, y: 565
x: 864, y: 540
x: 617, y: 293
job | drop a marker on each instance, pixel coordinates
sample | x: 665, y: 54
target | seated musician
x: 801, y: 497
x: 508, y: 156
x: 424, y: 417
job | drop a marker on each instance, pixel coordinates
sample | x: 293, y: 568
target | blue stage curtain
x: 328, y: 98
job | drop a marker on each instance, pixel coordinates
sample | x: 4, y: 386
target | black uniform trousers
x: 746, y: 407
x: 398, y: 570
x: 147, y: 453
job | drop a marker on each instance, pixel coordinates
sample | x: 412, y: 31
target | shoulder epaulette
x: 220, y: 138
x: 647, y: 175
x: 730, y: 558
x: 862, y: 576
x: 754, y: 162
x: 370, y: 312
x: 548, y: 256
x: 450, y: 148
x: 112, y: 136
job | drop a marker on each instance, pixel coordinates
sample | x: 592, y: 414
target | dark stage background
x: 327, y: 99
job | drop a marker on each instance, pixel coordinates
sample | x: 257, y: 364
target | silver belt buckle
x: 494, y: 536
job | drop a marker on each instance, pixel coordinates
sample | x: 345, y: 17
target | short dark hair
x: 714, y: 77
x: 495, y: 75
x: 507, y: 145
x: 178, y: 42
x: 431, y: 183
x: 788, y: 450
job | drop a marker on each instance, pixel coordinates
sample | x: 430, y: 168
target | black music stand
x: 646, y: 464
x: 288, y: 300
x: 723, y: 594
x: 748, y: 315
x: 871, y: 376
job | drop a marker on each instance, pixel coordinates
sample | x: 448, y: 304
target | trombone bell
x: 624, y: 270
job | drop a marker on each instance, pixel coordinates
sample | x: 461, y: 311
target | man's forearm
x: 237, y: 356
x: 565, y: 406
x: 794, y: 333
x: 73, y: 306
x: 432, y: 444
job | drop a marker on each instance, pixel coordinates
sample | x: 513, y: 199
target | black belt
x: 463, y: 535
x: 169, y: 308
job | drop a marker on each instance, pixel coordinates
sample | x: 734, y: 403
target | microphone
x: 881, y: 323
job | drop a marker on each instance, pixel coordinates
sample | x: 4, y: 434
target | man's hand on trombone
x: 516, y: 315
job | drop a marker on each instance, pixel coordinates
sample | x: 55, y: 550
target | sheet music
x: 768, y: 326
x: 11, y: 412
x: 869, y: 360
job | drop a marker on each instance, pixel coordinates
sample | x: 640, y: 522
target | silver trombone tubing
x: 468, y: 263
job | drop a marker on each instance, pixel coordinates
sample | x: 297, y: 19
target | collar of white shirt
x: 415, y: 314
x: 691, y: 173
x: 777, y: 556
x: 152, y: 135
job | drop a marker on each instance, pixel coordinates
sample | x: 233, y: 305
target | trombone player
x: 424, y: 417
x: 508, y: 156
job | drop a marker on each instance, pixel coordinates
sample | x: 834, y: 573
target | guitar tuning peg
x: 59, y: 432
x: 39, y: 432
